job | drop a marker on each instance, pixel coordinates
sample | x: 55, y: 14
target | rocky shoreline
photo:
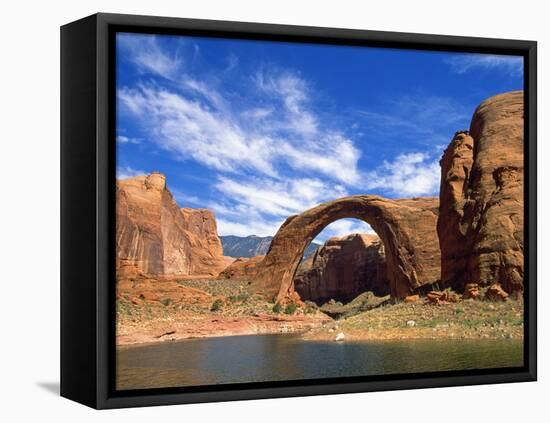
x: 154, y: 311
x: 197, y: 326
x: 159, y: 310
x: 467, y: 319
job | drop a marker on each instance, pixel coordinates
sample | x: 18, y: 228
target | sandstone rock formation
x: 242, y: 268
x: 407, y: 229
x: 480, y: 222
x: 411, y: 298
x: 202, y: 224
x: 342, y: 269
x: 496, y: 293
x: 443, y: 297
x: 471, y: 290
x: 156, y: 237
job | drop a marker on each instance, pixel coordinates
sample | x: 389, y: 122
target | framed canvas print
x: 255, y: 211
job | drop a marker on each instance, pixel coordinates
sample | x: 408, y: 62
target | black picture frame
x: 87, y: 210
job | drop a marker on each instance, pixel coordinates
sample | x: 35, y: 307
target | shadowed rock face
x: 407, y: 229
x: 480, y: 225
x: 157, y: 237
x: 342, y: 269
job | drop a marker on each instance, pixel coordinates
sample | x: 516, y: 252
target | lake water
x: 260, y: 358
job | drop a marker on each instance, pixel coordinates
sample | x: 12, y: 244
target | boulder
x: 471, y: 290
x: 481, y: 213
x: 443, y: 297
x: 434, y: 297
x: 127, y: 269
x: 412, y: 298
x: 342, y: 269
x: 496, y: 293
x: 157, y: 238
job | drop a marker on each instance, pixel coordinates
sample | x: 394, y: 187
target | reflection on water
x: 260, y: 358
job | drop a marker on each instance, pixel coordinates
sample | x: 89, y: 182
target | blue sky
x: 257, y: 130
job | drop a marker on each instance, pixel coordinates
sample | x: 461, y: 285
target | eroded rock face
x: 156, y: 237
x: 342, y: 269
x: 481, y: 198
x: 202, y: 224
x: 242, y: 268
x: 452, y: 225
x: 406, y: 227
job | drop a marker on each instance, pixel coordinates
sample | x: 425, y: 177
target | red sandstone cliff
x: 344, y: 268
x: 157, y: 237
x: 480, y: 224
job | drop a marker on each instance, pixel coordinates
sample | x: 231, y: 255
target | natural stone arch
x: 406, y: 227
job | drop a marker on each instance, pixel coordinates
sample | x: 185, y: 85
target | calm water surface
x: 260, y: 358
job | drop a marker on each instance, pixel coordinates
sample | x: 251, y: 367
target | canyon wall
x: 342, y: 269
x: 481, y: 216
x: 157, y: 237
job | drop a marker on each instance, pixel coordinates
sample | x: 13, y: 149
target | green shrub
x: 290, y: 308
x: 277, y: 308
x: 216, y: 305
x: 243, y: 297
x: 310, y: 304
x: 166, y: 301
x: 311, y: 307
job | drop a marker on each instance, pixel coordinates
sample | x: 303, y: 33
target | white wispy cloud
x: 344, y: 227
x: 413, y: 174
x: 259, y: 139
x: 184, y: 200
x: 266, y: 203
x: 193, y: 131
x: 433, y: 119
x: 123, y: 139
x: 125, y: 172
x: 334, y: 156
x: 232, y: 62
x: 292, y: 92
x: 251, y: 227
x: 148, y: 55
x: 257, y: 113
x: 463, y: 63
x: 279, y: 198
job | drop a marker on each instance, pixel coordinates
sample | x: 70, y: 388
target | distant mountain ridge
x: 251, y: 246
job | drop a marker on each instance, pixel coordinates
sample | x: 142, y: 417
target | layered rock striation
x: 481, y: 216
x: 156, y: 237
